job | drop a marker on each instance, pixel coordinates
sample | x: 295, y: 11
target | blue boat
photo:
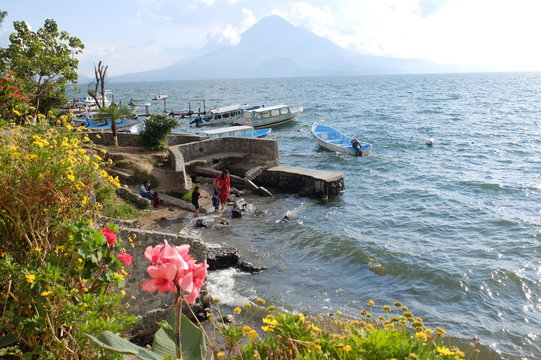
x: 133, y: 126
x: 334, y: 140
x: 243, y: 131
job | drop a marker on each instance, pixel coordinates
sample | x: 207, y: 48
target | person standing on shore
x: 222, y: 183
x: 216, y: 201
x: 195, y: 200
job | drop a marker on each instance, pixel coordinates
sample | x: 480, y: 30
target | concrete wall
x: 106, y: 138
x: 262, y: 149
x: 311, y: 183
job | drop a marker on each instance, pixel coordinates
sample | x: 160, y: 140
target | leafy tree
x: 157, y: 130
x: 44, y: 61
x: 114, y: 113
x: 3, y: 14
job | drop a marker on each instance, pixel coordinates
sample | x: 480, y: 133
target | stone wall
x: 106, y: 138
x: 305, y: 182
x: 140, y: 302
x: 262, y: 149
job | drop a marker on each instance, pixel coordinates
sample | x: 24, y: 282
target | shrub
x: 157, y: 130
x: 296, y: 336
x: 58, y: 274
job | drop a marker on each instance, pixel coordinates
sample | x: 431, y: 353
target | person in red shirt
x: 222, y: 183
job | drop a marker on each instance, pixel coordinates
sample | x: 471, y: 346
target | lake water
x: 452, y: 231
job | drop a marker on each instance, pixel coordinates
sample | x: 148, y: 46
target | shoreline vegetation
x: 95, y: 265
x: 62, y: 276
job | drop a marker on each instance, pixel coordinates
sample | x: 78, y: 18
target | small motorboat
x: 271, y: 115
x: 159, y: 97
x: 334, y: 140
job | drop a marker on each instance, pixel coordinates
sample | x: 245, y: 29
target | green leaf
x: 7, y: 340
x: 191, y: 337
x: 163, y: 344
x: 111, y: 341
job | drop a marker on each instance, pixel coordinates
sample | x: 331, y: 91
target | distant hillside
x: 275, y: 48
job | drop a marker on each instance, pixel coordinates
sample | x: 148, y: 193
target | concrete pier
x: 306, y: 182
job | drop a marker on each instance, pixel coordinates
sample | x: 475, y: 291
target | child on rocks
x: 195, y: 200
x: 216, y: 201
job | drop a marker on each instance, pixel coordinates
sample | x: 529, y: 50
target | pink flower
x: 125, y: 258
x: 173, y: 269
x: 110, y: 235
x: 162, y: 279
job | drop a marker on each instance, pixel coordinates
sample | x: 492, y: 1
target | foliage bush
x: 157, y: 130
x: 395, y: 335
x: 58, y: 274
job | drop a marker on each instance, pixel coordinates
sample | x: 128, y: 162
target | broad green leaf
x: 191, y: 337
x: 7, y: 340
x: 111, y: 341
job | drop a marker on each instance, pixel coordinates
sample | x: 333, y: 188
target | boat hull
x: 332, y: 139
x: 258, y: 118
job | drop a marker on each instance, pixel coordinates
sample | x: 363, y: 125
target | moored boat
x: 224, y: 115
x: 332, y: 139
x: 133, y: 126
x: 271, y: 115
x: 243, y: 131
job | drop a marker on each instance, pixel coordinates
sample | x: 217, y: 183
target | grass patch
x: 114, y: 206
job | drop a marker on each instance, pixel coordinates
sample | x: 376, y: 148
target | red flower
x: 110, y: 236
x: 125, y: 258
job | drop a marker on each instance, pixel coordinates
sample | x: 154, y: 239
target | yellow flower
x: 38, y: 249
x: 118, y: 276
x: 16, y: 112
x: 237, y: 310
x: 60, y: 247
x: 252, y: 335
x: 248, y: 304
x: 422, y: 336
x: 444, y: 350
x: 46, y: 293
x: 85, y: 200
x: 122, y: 292
x: 440, y: 331
x: 370, y: 302
x: 260, y: 301
x: 84, y: 305
x: 97, y: 157
x: 246, y: 329
x: 271, y: 308
x: 300, y: 317
x: 220, y: 355
x: 387, y: 308
x: 104, y: 174
x: 30, y: 278
x: 315, y: 328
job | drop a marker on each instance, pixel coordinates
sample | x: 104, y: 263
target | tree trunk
x: 115, y: 133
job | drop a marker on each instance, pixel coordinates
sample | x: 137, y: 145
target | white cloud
x: 206, y: 2
x: 230, y: 34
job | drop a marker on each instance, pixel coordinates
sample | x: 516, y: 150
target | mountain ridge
x: 274, y: 47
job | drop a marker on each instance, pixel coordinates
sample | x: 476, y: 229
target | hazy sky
x: 138, y: 35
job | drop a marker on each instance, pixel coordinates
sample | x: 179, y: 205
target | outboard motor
x: 357, y: 146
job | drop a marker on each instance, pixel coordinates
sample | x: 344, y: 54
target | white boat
x: 224, y: 115
x: 244, y: 131
x: 133, y: 126
x: 334, y: 140
x: 159, y: 97
x: 271, y: 115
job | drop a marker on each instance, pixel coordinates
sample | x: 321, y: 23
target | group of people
x: 222, y: 186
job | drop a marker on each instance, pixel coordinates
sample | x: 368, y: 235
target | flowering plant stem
x: 178, y: 314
